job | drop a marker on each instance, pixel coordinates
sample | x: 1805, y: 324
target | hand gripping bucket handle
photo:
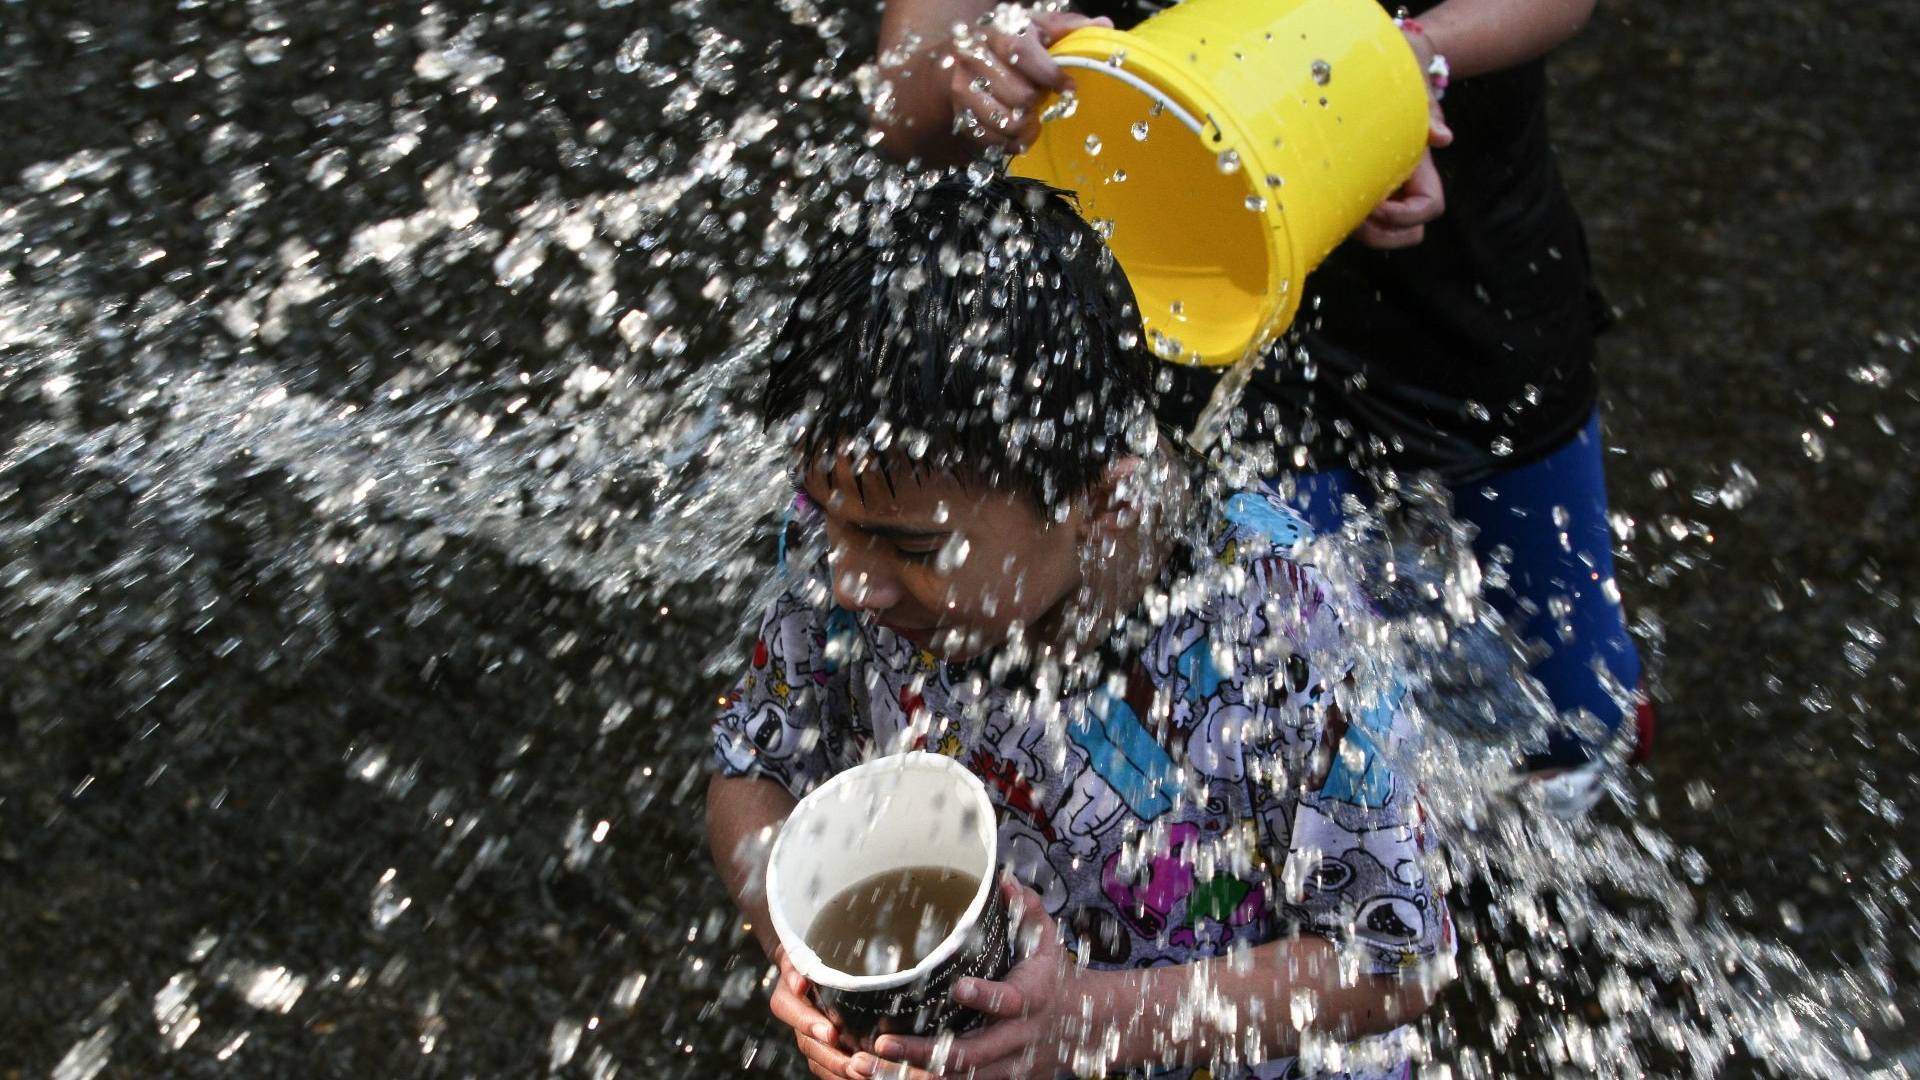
x: 1225, y: 148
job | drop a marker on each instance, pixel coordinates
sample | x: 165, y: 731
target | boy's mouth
x: 919, y: 635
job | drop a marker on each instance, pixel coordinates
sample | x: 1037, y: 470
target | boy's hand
x: 1000, y: 74
x: 818, y: 1041
x: 1031, y: 1010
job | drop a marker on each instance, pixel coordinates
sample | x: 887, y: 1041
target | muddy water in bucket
x: 1225, y: 149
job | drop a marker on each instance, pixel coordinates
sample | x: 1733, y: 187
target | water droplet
x: 1093, y: 145
x: 1256, y: 204
x: 518, y: 261
x: 1502, y: 446
x: 1302, y: 1006
x: 1119, y: 176
x: 1790, y: 917
x: 267, y: 50
x: 387, y: 903
x: 563, y: 1043
x: 1228, y: 161
x: 953, y: 554
x: 1139, y: 130
x: 268, y: 988
x: 1322, y: 72
x: 1740, y: 487
x: 86, y: 1058
x: 669, y: 343
x: 632, y: 52
x: 328, y: 169
x: 174, y: 1012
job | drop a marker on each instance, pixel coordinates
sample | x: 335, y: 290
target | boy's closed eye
x: 916, y: 553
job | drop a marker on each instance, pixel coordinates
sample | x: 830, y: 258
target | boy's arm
x: 743, y: 815
x: 1262, y: 989
x: 1179, y: 1014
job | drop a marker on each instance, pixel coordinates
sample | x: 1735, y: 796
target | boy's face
x: 949, y: 566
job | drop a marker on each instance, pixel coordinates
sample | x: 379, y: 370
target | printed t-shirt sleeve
x: 1357, y: 856
x: 780, y: 722
x: 1354, y: 867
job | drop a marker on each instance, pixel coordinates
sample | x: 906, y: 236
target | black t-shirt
x: 1469, y: 352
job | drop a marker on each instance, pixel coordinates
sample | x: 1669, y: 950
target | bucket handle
x: 1159, y: 96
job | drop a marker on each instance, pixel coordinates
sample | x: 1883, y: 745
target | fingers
x: 1421, y: 199
x: 1051, y: 26
x: 1388, y: 238
x: 1026, y: 53
x: 1438, y: 132
x: 868, y: 1067
x: 813, y: 1032
x: 991, y: 1046
x: 1401, y: 220
x: 826, y: 1059
x: 1000, y: 79
x: 999, y: 1000
x: 986, y: 102
x: 1033, y: 930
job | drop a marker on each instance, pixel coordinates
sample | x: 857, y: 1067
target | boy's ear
x: 1110, y: 499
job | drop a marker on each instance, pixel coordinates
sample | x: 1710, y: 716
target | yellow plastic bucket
x: 1225, y: 148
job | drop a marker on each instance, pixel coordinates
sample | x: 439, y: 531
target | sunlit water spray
x: 377, y: 434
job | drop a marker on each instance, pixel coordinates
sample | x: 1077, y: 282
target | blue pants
x: 1516, y: 508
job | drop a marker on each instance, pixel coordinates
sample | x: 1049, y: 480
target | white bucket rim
x: 805, y: 960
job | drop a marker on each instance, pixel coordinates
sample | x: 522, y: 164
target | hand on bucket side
x: 819, y: 1042
x: 1031, y: 1010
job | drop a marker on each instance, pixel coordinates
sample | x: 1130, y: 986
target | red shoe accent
x: 1643, y: 728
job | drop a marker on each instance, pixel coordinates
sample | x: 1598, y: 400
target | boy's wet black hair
x: 982, y: 330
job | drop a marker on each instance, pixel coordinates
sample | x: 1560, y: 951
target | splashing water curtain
x: 378, y: 502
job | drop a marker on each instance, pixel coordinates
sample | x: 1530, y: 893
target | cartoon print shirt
x: 1168, y: 814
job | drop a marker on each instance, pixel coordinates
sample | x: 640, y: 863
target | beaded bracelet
x: 1438, y: 73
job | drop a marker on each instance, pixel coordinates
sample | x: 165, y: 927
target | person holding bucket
x: 1001, y: 561
x: 1460, y: 343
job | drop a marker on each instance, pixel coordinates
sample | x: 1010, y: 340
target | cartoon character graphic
x: 1195, y: 664
x: 1091, y: 809
x: 1359, y: 774
x: 1369, y: 877
x: 1167, y: 895
x: 1025, y: 856
x: 1269, y: 518
x: 1123, y: 752
x: 1214, y: 746
x: 1016, y: 794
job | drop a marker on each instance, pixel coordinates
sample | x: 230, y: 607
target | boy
x: 1011, y: 566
